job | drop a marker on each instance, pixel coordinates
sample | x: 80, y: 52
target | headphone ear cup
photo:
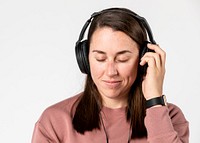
x: 143, y: 69
x: 82, y: 51
x: 144, y: 49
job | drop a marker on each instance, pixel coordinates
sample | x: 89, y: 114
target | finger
x: 158, y: 50
x: 150, y: 60
x: 155, y: 57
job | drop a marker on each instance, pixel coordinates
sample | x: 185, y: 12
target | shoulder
x: 65, y: 104
x: 62, y: 108
x: 56, y: 120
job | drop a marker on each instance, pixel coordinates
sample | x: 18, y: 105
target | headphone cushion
x: 82, y: 51
x: 144, y: 50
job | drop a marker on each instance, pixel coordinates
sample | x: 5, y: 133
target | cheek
x: 96, y: 69
x: 131, y: 70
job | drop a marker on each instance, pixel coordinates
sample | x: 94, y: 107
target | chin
x: 112, y: 94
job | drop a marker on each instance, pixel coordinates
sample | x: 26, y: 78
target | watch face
x: 165, y: 100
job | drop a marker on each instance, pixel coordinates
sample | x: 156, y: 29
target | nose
x: 111, y: 69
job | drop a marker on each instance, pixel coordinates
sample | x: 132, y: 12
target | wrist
x: 152, y: 95
x: 156, y: 102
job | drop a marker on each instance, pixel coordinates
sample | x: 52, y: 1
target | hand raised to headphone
x: 152, y: 84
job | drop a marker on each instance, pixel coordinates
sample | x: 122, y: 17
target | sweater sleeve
x: 166, y: 124
x: 41, y: 135
x: 45, y: 128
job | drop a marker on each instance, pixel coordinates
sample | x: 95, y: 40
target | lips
x: 112, y: 83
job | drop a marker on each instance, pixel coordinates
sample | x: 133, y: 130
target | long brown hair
x: 87, y: 113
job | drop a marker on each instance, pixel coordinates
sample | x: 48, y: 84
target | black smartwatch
x: 156, y: 101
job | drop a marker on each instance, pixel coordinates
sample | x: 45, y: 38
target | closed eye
x: 122, y: 60
x: 100, y: 60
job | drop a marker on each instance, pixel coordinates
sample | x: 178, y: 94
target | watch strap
x: 156, y: 101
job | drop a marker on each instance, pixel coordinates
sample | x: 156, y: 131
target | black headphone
x: 82, y: 47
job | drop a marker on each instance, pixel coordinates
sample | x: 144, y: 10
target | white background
x: 38, y: 66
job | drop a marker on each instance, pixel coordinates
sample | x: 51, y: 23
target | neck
x: 114, y: 103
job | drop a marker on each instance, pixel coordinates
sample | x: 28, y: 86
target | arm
x: 45, y: 131
x: 40, y: 134
x: 166, y: 125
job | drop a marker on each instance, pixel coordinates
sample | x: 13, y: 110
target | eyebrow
x: 118, y: 53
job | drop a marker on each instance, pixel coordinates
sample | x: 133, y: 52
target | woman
x: 122, y: 100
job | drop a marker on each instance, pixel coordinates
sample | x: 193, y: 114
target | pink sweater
x: 164, y: 125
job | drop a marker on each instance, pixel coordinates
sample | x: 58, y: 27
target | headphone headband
x: 141, y: 20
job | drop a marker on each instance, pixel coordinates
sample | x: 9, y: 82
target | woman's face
x: 113, y: 59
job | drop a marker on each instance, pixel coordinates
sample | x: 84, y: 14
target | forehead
x: 106, y: 39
